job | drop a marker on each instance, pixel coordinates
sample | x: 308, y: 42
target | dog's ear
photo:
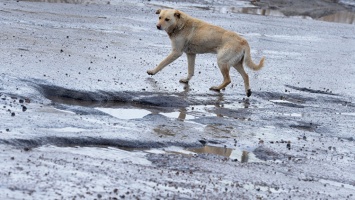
x: 177, y: 14
x: 158, y: 11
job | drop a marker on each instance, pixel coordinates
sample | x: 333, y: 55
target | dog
x: 193, y: 36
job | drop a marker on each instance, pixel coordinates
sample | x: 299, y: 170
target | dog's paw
x: 249, y: 93
x: 184, y: 80
x: 150, y: 72
x: 214, y: 88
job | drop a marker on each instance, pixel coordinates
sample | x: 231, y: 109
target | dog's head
x: 168, y: 19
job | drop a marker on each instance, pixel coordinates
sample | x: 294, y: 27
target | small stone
x: 288, y: 145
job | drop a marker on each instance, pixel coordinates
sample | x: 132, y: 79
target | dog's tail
x: 250, y: 63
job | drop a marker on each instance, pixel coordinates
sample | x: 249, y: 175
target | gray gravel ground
x: 81, y: 119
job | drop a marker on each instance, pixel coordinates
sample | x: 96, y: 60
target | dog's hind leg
x: 224, y: 67
x: 191, y: 67
x: 239, y: 67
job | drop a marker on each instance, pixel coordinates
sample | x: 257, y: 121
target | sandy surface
x: 81, y: 119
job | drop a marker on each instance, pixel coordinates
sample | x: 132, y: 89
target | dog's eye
x: 159, y: 17
x: 167, y: 19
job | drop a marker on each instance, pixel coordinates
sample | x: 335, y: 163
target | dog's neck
x: 177, y: 29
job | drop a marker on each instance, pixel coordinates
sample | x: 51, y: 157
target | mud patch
x: 287, y: 103
x: 311, y: 127
x: 290, y: 97
x: 109, y: 98
x: 266, y: 154
x: 325, y: 91
x: 92, y: 141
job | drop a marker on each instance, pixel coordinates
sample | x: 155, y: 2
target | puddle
x: 337, y: 184
x: 338, y: 17
x: 68, y: 129
x: 182, y: 115
x: 233, y: 154
x: 249, y: 10
x: 269, y: 189
x: 292, y: 114
x: 122, y: 113
x: 347, y: 114
x: 135, y: 113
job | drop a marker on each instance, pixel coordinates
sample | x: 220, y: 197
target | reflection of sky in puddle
x: 125, y: 113
x: 279, y: 101
x: 68, y: 129
x: 188, y: 114
x: 136, y: 113
x: 292, y: 114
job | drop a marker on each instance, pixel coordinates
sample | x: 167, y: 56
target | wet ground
x: 81, y: 119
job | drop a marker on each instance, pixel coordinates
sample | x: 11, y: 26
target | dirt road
x: 81, y: 119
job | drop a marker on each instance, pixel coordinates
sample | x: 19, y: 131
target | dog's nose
x: 158, y: 27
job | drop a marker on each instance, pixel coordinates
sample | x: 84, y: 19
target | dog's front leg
x: 191, y: 67
x: 169, y: 59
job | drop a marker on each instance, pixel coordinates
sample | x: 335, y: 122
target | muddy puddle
x: 137, y: 105
x: 233, y: 154
x: 338, y: 17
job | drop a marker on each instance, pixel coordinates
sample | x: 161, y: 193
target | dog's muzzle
x: 159, y: 27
